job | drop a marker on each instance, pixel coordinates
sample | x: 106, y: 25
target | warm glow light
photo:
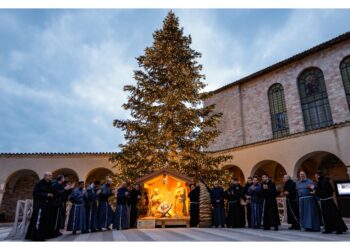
x: 167, y: 197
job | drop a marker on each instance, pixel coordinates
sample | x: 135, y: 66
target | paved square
x: 196, y: 234
x: 203, y: 234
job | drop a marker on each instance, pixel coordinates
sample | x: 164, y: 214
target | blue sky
x: 62, y: 71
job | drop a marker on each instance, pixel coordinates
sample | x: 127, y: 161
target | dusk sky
x: 62, y: 72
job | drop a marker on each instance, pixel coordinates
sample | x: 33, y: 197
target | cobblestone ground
x: 197, y: 234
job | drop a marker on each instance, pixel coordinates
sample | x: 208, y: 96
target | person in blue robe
x: 122, y: 212
x: 77, y: 219
x: 256, y: 203
x: 92, y: 193
x: 308, y: 210
x: 331, y: 216
x: 217, y: 199
x: 39, y: 221
x: 104, y: 213
x: 235, y: 211
x: 270, y: 213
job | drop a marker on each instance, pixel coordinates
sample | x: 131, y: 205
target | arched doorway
x: 328, y: 163
x: 70, y: 175
x: 232, y: 171
x: 98, y: 174
x: 273, y: 169
x: 19, y: 186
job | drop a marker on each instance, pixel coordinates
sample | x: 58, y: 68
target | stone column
x: 2, y: 190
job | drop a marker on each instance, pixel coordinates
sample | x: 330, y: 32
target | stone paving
x: 197, y: 234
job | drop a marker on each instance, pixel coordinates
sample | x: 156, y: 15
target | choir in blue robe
x: 104, y: 214
x: 122, y: 213
x: 254, y: 191
x: 77, y: 219
x: 91, y: 208
x: 308, y: 210
x: 217, y: 198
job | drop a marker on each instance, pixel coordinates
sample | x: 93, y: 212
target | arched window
x: 345, y: 74
x: 314, y: 99
x: 278, y: 111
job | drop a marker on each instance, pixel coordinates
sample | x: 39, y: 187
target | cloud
x: 301, y: 30
x: 220, y: 50
x: 82, y: 101
x: 62, y: 72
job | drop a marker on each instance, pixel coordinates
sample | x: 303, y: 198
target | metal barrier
x: 24, y: 211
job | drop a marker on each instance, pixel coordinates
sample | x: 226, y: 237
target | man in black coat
x: 270, y: 208
x: 292, y: 202
x: 330, y: 213
x: 235, y: 211
x: 193, y: 195
x: 56, y: 205
x: 42, y: 194
x: 135, y: 197
x: 217, y: 199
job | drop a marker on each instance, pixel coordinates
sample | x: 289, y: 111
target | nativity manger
x: 168, y: 204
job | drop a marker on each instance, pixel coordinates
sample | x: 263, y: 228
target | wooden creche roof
x: 162, y: 172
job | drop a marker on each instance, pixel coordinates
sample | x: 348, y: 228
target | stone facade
x: 245, y: 107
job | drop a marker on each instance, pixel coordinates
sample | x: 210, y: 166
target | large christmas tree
x: 170, y: 127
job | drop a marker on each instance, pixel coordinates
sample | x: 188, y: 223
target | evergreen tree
x: 169, y: 127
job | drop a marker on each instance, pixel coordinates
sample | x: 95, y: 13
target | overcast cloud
x: 62, y: 72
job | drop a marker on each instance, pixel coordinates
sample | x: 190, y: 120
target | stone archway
x: 273, y: 169
x: 69, y: 174
x: 19, y: 186
x: 232, y: 171
x: 98, y: 174
x: 328, y: 163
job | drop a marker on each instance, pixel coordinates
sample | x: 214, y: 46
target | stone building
x: 291, y: 116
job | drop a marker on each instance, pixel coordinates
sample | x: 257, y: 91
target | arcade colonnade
x: 19, y: 173
x: 326, y: 149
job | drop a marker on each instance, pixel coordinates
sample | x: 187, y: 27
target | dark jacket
x: 290, y: 187
x: 58, y: 192
x: 41, y: 189
x: 324, y: 188
x: 194, y: 195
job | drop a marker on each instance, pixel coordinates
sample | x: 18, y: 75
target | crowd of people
x: 309, y: 205
x: 90, y: 210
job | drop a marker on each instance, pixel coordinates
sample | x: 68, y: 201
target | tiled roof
x: 322, y: 46
x: 58, y: 154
